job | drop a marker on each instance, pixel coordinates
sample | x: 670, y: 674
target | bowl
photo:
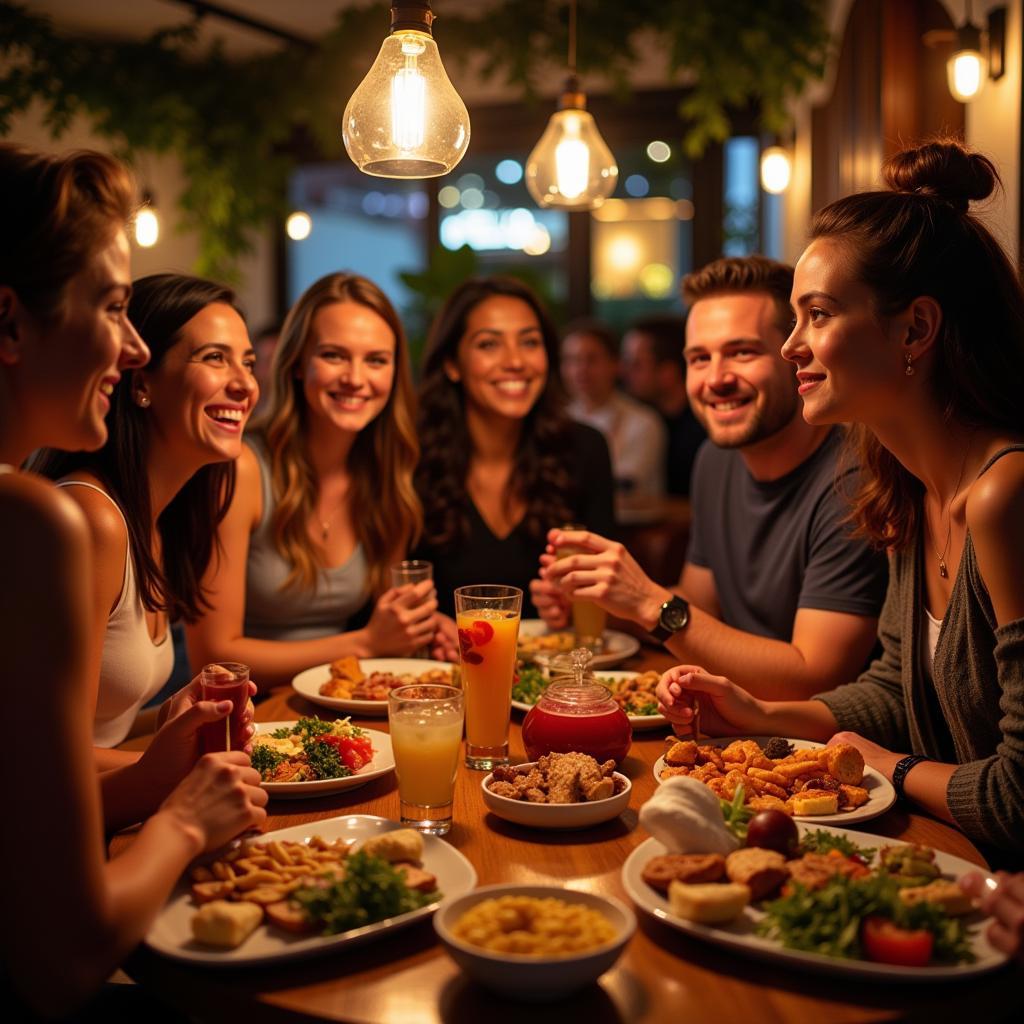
x: 557, y: 816
x: 534, y: 978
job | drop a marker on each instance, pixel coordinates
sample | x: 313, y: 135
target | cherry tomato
x: 887, y: 943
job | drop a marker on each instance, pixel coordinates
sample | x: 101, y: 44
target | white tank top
x: 133, y: 668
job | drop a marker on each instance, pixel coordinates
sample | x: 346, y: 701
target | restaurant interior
x: 714, y: 129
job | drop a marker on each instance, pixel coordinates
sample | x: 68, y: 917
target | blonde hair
x: 381, y: 461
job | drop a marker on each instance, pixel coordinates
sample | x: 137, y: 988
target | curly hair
x: 160, y: 307
x: 541, y: 478
x: 917, y: 237
x: 381, y: 459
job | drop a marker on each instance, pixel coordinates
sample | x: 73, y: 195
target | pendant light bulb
x: 571, y: 167
x: 147, y: 223
x: 405, y: 120
x: 967, y: 69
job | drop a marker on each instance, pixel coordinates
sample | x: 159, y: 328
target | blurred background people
x: 654, y: 371
x: 635, y: 433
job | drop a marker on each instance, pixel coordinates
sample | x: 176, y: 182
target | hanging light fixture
x: 966, y: 68
x: 147, y: 223
x: 405, y: 120
x: 571, y: 167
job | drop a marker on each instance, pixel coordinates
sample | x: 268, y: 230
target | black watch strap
x: 674, y: 615
x: 902, y: 769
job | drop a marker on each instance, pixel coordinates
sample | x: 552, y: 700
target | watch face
x: 676, y: 615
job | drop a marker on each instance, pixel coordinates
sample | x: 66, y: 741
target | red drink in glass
x: 225, y: 681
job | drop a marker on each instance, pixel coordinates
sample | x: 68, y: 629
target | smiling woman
x: 324, y: 504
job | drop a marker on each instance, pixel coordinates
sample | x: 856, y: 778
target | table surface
x: 407, y: 978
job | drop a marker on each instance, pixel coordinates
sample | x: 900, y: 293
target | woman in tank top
x: 324, y: 502
x: 910, y: 324
x: 64, y: 343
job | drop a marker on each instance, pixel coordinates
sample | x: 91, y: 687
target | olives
x: 773, y: 830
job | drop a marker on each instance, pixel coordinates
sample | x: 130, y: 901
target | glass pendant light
x: 405, y: 120
x: 571, y: 167
x: 966, y: 68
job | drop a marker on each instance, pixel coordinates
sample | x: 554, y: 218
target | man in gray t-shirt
x: 774, y: 594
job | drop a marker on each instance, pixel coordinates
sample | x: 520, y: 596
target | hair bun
x: 945, y: 170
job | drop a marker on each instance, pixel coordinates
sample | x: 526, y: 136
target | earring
x: 909, y: 371
x: 141, y: 400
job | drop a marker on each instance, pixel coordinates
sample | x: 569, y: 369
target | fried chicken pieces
x: 557, y: 779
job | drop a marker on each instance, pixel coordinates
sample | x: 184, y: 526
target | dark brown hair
x: 917, y: 238
x: 55, y: 213
x: 541, y: 476
x: 596, y: 329
x: 160, y: 306
x: 667, y: 334
x: 386, y: 512
x: 733, y: 275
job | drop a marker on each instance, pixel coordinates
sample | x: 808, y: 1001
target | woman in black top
x: 501, y: 462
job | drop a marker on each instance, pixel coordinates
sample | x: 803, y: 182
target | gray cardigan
x: 978, y: 673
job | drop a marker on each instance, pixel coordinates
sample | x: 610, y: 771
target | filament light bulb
x: 967, y: 69
x: 147, y: 224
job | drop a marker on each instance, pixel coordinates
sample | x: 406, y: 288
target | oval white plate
x: 881, y: 795
x: 556, y: 816
x: 617, y: 646
x: 637, y: 721
x: 383, y: 761
x: 739, y: 934
x: 171, y: 933
x: 308, y: 683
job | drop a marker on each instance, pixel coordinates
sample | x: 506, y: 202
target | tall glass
x: 225, y: 680
x: 413, y: 570
x: 426, y: 729
x: 488, y: 619
x: 588, y: 617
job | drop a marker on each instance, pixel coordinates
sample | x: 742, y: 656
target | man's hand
x: 602, y: 571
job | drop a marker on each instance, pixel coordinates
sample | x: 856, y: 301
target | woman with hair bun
x: 502, y: 463
x: 910, y: 324
x: 324, y: 503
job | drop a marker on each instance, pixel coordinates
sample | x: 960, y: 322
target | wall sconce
x: 776, y: 170
x: 977, y: 55
x: 405, y: 119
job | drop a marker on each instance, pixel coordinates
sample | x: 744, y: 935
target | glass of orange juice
x: 488, y: 619
x: 426, y: 730
x: 588, y: 617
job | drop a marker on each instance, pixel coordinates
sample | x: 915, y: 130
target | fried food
x: 403, y: 844
x: 346, y: 684
x: 761, y: 871
x: 948, y: 895
x: 660, y: 872
x: 813, y: 870
x: 799, y: 782
x: 557, y: 779
x: 224, y: 924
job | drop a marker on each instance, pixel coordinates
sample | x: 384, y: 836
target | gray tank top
x: 275, y: 613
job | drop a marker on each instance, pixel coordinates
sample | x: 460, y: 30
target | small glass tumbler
x: 225, y: 680
x: 413, y: 570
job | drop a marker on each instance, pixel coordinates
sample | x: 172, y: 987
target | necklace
x: 943, y: 571
x: 325, y: 524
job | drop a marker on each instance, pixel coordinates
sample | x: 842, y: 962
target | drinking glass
x: 225, y: 680
x: 588, y: 617
x: 426, y: 729
x: 488, y: 619
x: 413, y: 570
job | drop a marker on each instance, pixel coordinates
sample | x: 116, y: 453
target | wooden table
x: 663, y: 975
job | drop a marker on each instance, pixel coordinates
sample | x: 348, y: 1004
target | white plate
x: 383, y: 761
x: 556, y: 816
x: 308, y: 683
x: 171, y: 933
x: 881, y: 795
x: 617, y: 646
x: 739, y: 934
x: 637, y: 721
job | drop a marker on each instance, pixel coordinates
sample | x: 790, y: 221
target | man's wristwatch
x: 674, y: 615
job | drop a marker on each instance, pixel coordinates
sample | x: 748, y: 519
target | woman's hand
x: 604, y: 572
x: 725, y: 709
x: 403, y: 620
x: 875, y: 756
x: 190, y: 695
x: 1005, y: 904
x: 218, y: 799
x: 551, y: 604
x: 445, y: 644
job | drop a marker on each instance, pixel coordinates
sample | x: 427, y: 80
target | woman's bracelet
x: 902, y: 769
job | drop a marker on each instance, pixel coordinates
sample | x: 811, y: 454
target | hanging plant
x: 232, y: 123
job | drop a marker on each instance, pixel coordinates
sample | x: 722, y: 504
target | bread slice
x: 708, y: 902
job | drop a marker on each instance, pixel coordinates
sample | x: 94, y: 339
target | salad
x: 311, y: 750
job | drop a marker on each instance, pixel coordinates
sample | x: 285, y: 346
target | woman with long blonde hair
x: 324, y: 502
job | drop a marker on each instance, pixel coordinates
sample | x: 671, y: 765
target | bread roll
x: 402, y: 844
x: 225, y: 924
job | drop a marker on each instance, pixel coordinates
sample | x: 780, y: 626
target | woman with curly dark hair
x: 910, y: 325
x: 501, y: 463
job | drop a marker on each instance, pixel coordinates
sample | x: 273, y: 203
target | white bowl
x: 556, y: 816
x: 534, y: 978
